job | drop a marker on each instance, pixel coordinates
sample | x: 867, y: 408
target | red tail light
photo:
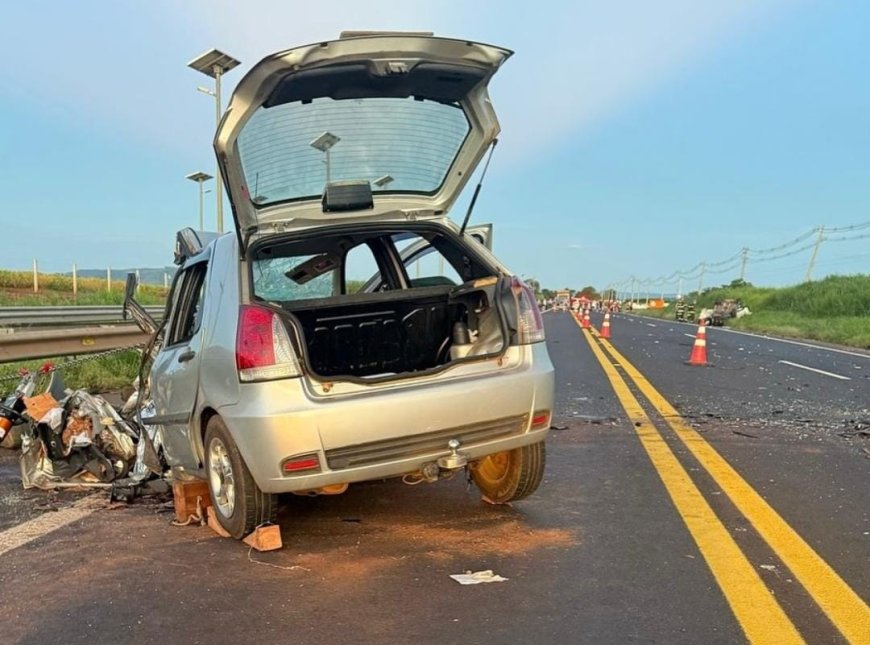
x: 530, y: 324
x: 263, y: 350
x: 541, y: 419
x: 297, y: 464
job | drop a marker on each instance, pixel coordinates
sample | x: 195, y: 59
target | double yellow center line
x: 759, y: 614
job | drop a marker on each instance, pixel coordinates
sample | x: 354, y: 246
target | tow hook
x: 444, y: 468
x: 454, y: 460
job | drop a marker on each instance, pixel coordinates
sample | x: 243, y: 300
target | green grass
x: 93, y: 374
x: 16, y: 289
x: 101, y: 374
x: 834, y: 310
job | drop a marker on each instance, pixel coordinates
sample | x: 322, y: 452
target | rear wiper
x: 477, y: 189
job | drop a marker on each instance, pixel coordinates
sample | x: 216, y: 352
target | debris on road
x: 478, y: 577
x: 72, y: 439
x: 859, y: 428
x: 79, y: 439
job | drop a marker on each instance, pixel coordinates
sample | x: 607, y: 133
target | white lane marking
x: 37, y: 527
x: 813, y: 369
x: 779, y: 340
x: 795, y: 342
x: 650, y: 325
x: 689, y: 335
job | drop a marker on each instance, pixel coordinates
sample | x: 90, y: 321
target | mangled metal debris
x: 82, y: 440
x: 71, y: 438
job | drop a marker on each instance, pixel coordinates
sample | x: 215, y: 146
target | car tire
x: 510, y: 475
x: 240, y: 506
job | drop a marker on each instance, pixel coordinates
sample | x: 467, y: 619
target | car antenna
x: 477, y: 188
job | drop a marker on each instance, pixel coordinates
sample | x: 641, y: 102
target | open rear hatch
x: 384, y: 125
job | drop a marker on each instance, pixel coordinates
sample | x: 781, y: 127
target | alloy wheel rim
x: 220, y: 477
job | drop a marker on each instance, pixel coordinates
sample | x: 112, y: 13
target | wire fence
x: 799, y: 258
x: 75, y: 287
x: 111, y: 278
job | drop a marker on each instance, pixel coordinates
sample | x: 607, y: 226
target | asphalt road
x: 607, y: 551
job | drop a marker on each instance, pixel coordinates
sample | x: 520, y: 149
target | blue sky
x: 638, y: 138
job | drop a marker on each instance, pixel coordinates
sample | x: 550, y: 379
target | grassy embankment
x: 16, y: 289
x: 834, y: 310
x: 112, y: 372
x: 106, y: 373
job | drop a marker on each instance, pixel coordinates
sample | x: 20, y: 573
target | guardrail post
x: 75, y: 281
x: 165, y: 280
x: 35, y: 276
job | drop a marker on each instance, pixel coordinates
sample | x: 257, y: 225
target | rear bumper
x: 387, y: 433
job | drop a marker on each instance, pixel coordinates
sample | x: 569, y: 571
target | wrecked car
x: 348, y: 329
x: 68, y: 438
x: 721, y: 311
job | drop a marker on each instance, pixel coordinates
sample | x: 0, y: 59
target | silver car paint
x: 273, y: 420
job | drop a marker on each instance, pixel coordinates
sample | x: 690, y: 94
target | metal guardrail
x: 24, y: 345
x: 66, y: 315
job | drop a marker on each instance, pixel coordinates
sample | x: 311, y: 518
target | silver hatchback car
x: 348, y: 330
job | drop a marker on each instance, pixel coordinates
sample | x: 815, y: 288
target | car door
x: 175, y: 373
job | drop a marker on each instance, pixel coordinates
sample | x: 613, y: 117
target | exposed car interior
x: 381, y: 301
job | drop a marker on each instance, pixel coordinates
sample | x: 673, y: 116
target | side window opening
x: 187, y: 308
x: 426, y: 265
x: 360, y: 266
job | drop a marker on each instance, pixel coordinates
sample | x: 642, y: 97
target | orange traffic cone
x: 586, y: 324
x: 605, y: 326
x: 699, y: 350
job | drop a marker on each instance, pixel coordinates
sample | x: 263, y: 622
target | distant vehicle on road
x: 277, y: 369
x: 721, y: 311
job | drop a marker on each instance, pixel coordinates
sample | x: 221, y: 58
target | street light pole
x: 215, y: 63
x: 324, y: 143
x: 200, y: 178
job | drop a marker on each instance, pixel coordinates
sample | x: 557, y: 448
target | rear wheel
x: 510, y: 475
x: 240, y: 506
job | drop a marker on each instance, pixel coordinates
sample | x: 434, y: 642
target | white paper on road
x: 477, y: 577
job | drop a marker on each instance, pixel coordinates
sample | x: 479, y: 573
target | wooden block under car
x: 213, y: 523
x: 265, y: 538
x: 185, y: 493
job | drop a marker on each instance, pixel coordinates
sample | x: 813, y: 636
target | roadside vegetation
x: 111, y: 372
x: 833, y: 310
x: 16, y: 289
x: 101, y: 374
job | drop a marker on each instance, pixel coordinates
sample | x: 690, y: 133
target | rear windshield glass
x: 289, y: 151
